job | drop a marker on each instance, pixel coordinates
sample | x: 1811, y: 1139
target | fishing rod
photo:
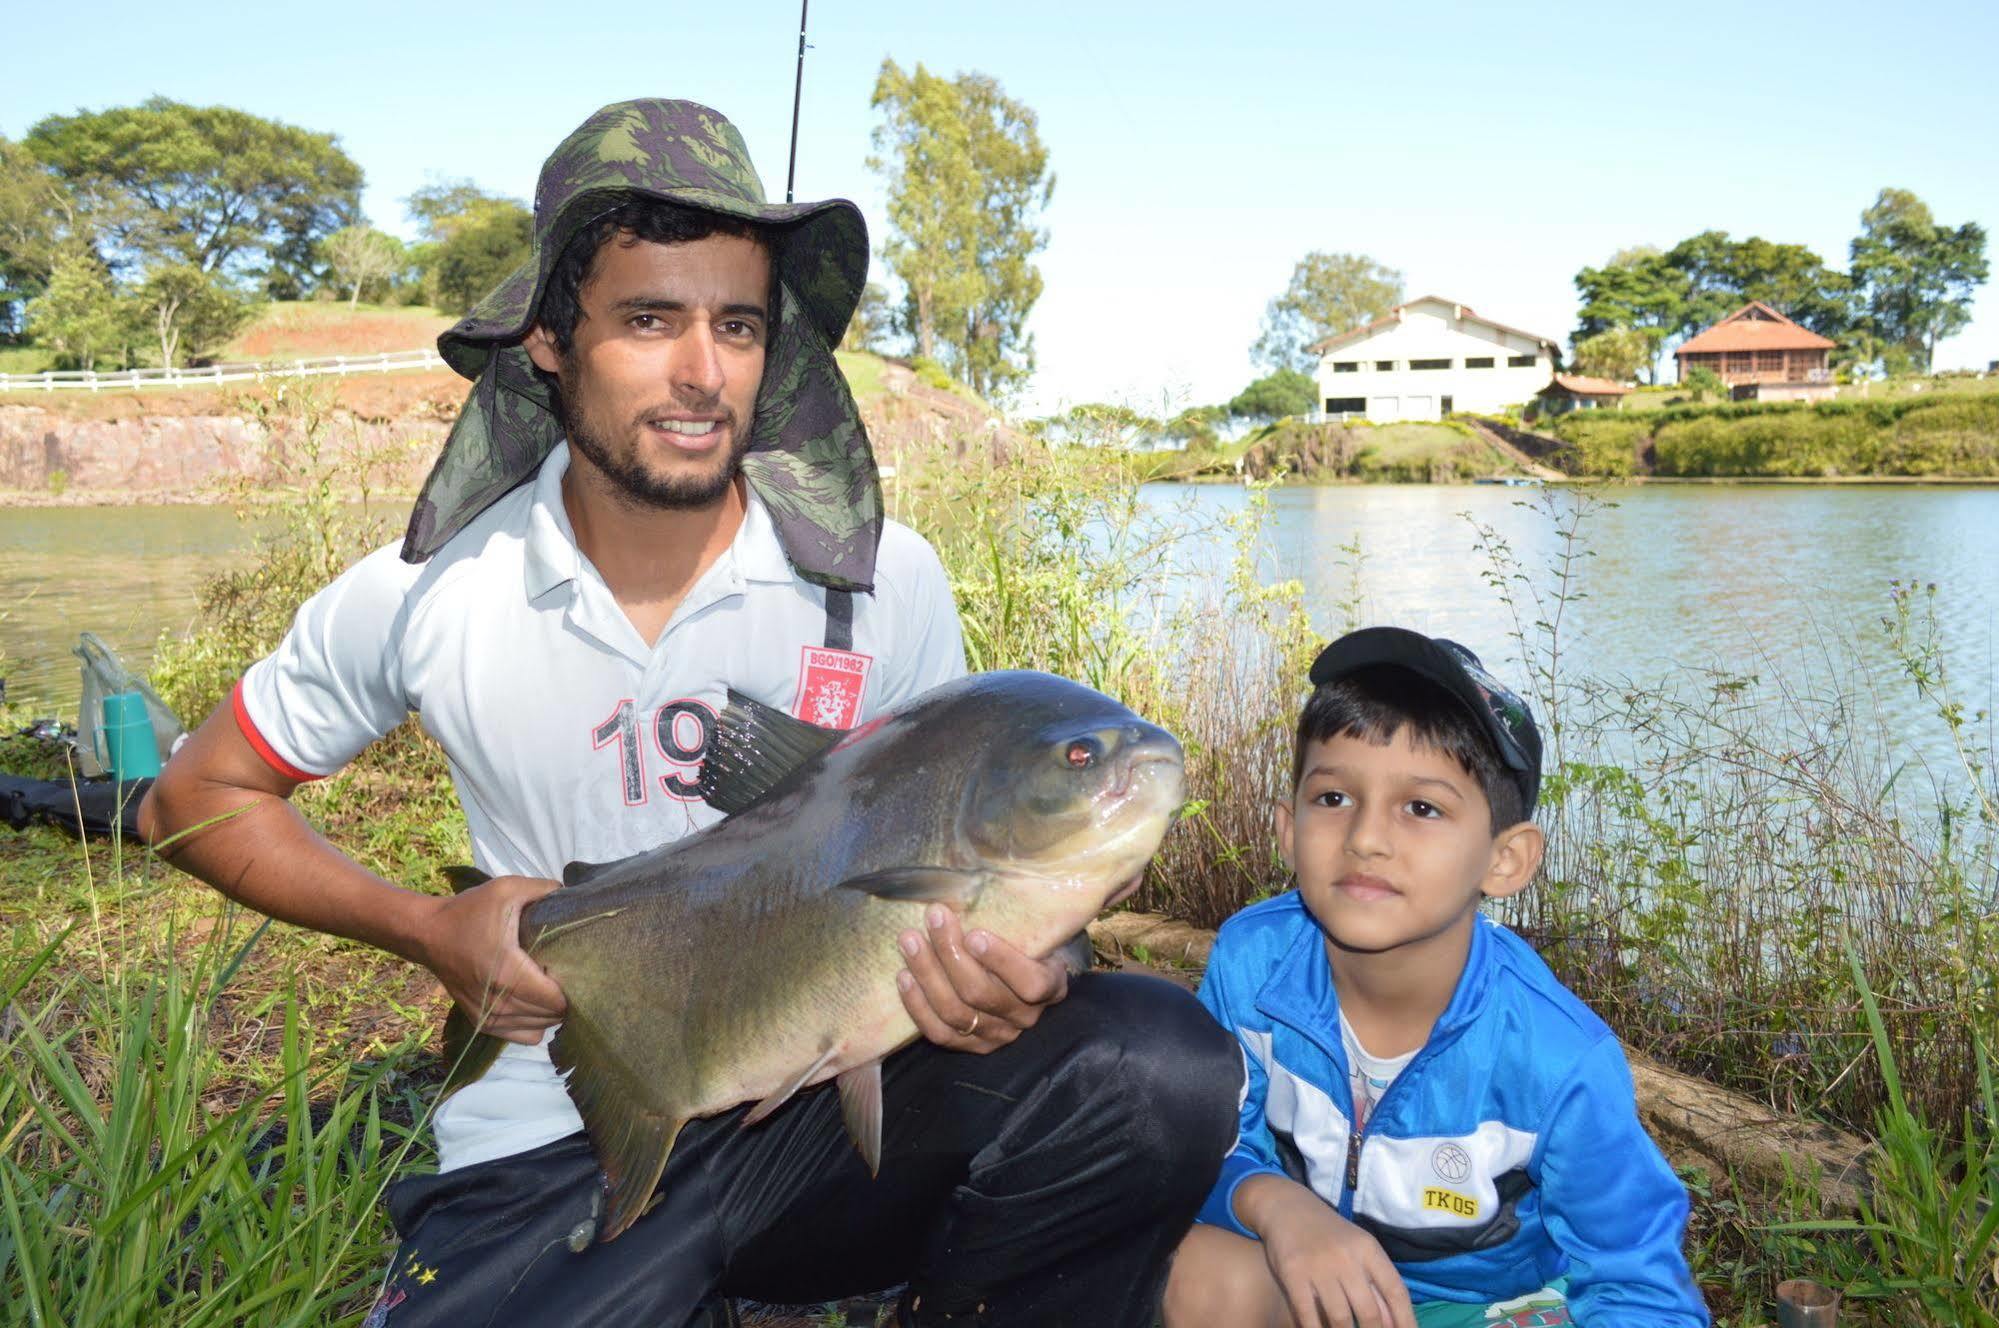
x: 797, y: 91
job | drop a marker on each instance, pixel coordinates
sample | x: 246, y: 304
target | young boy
x: 1435, y: 1131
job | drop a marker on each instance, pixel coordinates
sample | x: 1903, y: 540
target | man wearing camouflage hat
x: 659, y: 489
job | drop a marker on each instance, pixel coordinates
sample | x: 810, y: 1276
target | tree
x: 37, y: 225
x: 1637, y: 289
x: 1702, y: 279
x: 478, y: 252
x: 78, y: 314
x: 1916, y: 277
x: 361, y: 254
x: 441, y: 207
x: 1328, y: 294
x: 190, y: 310
x: 1276, y: 395
x: 1617, y: 354
x: 872, y: 322
x: 209, y: 187
x: 967, y: 178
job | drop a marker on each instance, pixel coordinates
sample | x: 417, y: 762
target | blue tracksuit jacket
x: 1506, y: 1154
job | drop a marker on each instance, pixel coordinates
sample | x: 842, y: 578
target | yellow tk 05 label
x: 1450, y: 1201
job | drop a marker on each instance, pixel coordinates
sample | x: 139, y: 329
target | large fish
x: 758, y: 957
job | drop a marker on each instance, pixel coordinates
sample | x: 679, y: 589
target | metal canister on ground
x: 1802, y: 1303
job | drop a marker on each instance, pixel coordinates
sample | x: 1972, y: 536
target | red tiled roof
x: 1755, y: 326
x: 1577, y: 385
x: 1395, y: 315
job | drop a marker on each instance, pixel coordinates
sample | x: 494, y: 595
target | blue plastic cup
x: 131, y: 751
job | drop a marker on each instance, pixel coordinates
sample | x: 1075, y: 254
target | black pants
x: 1043, y: 1185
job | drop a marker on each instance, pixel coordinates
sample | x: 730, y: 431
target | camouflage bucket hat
x: 808, y: 457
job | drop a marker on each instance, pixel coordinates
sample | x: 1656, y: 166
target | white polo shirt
x: 569, y: 738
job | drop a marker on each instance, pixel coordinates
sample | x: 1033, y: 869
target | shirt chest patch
x: 831, y: 685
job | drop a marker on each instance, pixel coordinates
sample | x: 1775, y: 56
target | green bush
x: 1956, y: 435
x: 1605, y: 444
x: 930, y: 373
x: 1940, y: 437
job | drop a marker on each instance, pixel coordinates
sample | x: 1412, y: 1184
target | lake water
x: 1781, y: 581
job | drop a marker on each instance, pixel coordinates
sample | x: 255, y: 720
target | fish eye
x: 1083, y: 753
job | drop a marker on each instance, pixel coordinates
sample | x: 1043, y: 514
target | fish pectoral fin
x: 861, y: 1109
x: 924, y: 885
x: 632, y: 1140
x: 756, y: 748
x: 782, y: 1095
x: 468, y: 1053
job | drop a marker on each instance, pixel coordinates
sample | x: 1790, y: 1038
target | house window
x: 1346, y: 405
x: 1520, y: 361
x: 1346, y: 366
x: 1384, y: 365
x: 1769, y: 361
x: 1739, y: 361
x: 1479, y: 362
x: 1429, y: 364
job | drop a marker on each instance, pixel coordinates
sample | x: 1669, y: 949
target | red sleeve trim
x: 263, y: 748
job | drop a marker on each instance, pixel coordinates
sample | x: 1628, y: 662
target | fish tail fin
x: 631, y: 1143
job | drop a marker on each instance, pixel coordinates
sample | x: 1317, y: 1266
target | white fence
x: 81, y: 380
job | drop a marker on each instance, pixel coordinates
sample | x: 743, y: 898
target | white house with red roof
x: 1427, y: 358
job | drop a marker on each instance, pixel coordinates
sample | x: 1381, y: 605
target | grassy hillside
x: 304, y: 329
x: 1393, y: 453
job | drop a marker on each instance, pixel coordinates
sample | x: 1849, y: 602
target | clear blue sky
x: 1488, y: 151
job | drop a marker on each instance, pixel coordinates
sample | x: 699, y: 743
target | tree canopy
x: 37, y: 224
x: 210, y: 187
x: 967, y: 178
x: 479, y: 251
x: 1328, y: 294
x: 1670, y: 295
x: 1276, y: 395
x: 1915, y: 277
x: 1618, y: 354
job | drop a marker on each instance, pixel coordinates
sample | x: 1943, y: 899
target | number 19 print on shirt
x: 831, y: 686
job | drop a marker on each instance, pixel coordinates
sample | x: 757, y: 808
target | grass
x: 864, y: 373
x: 25, y: 360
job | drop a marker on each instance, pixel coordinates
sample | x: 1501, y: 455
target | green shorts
x: 1545, y: 1308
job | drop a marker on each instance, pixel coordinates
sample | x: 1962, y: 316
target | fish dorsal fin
x: 461, y: 879
x: 631, y: 1143
x: 755, y: 748
x: 582, y: 873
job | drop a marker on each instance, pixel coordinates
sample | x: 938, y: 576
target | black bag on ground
x: 87, y: 807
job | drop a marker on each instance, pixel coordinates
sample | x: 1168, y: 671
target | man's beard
x: 628, y: 474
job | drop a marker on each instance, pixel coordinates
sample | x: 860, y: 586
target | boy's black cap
x: 1503, y: 716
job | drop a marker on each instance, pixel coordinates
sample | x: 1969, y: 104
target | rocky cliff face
x: 165, y: 457
x: 186, y: 445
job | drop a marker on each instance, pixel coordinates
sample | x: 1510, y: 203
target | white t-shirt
x: 569, y: 738
x: 1367, y: 1074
